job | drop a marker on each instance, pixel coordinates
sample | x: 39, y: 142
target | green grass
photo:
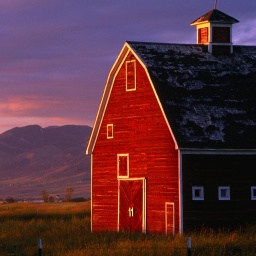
x: 65, y: 231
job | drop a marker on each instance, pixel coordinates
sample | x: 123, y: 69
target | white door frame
x: 169, y: 204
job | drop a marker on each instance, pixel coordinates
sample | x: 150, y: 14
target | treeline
x: 50, y: 198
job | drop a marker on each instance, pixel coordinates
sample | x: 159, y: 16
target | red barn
x: 174, y: 142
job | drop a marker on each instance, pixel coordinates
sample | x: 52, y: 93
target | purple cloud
x: 55, y: 55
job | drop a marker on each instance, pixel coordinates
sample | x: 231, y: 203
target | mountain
x: 53, y: 159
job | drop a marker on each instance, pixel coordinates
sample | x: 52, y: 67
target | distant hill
x: 53, y: 159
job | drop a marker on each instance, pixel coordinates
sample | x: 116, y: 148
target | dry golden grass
x: 65, y: 231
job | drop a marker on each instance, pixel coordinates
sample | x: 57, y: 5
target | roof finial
x: 215, y: 4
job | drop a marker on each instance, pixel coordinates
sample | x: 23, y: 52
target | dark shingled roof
x: 209, y: 100
x: 215, y: 16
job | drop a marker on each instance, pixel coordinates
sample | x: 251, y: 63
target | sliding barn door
x: 132, y: 205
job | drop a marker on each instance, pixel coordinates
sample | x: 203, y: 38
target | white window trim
x: 110, y: 137
x: 128, y: 167
x: 253, y: 188
x: 227, y: 188
x: 129, y: 61
x: 201, y: 192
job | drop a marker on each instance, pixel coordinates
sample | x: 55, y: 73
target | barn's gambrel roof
x: 209, y: 100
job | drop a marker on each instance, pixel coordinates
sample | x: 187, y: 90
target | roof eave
x: 104, y: 99
x: 106, y: 94
x: 195, y: 23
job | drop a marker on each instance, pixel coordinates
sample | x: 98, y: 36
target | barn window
x: 221, y: 34
x: 110, y: 131
x: 198, y: 193
x: 203, y: 35
x: 130, y: 75
x: 253, y: 193
x: 123, y: 166
x: 224, y: 193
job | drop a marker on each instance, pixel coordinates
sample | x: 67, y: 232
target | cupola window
x: 203, y: 35
x: 221, y: 35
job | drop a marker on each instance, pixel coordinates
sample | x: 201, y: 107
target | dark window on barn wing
x: 197, y: 193
x: 123, y: 166
x: 203, y: 35
x: 130, y: 75
x: 221, y: 35
x: 110, y: 131
x: 224, y: 193
x: 253, y: 193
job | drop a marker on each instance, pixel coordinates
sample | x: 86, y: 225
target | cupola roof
x: 215, y: 16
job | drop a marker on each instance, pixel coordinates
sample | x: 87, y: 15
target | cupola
x: 215, y: 30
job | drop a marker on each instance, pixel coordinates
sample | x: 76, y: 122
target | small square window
x: 224, y: 193
x: 110, y: 131
x: 198, y: 193
x: 253, y: 193
x: 123, y: 166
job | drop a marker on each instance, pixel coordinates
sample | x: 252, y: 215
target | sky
x: 55, y: 55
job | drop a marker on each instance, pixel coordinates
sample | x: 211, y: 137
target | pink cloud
x: 44, y: 111
x: 16, y: 106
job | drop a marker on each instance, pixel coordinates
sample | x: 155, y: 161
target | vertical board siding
x: 212, y: 171
x: 203, y: 35
x: 140, y: 131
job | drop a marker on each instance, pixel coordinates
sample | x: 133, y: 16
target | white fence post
x: 189, y: 246
x: 40, y: 247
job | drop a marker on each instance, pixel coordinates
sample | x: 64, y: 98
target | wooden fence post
x: 189, y: 246
x: 40, y: 247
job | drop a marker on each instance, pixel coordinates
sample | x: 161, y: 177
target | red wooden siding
x: 203, y: 35
x: 141, y: 132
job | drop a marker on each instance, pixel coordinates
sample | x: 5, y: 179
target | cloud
x: 55, y: 55
x: 16, y: 107
x: 43, y: 110
x: 36, y: 106
x: 245, y: 33
x: 30, y: 106
x: 11, y: 122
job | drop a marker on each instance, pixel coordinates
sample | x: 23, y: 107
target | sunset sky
x: 55, y: 55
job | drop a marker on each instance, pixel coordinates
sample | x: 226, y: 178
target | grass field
x: 64, y: 229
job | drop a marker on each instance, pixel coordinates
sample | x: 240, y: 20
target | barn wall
x: 211, y: 171
x: 141, y: 131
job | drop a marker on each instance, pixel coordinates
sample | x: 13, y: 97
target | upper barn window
x: 110, y: 131
x: 130, y: 75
